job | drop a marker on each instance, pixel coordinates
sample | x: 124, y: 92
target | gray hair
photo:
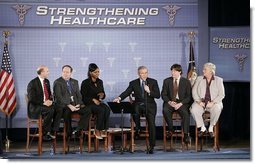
x: 141, y: 67
x: 211, y: 66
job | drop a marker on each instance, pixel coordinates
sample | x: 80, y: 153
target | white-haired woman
x: 208, y: 93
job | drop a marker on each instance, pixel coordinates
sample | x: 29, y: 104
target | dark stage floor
x: 228, y: 151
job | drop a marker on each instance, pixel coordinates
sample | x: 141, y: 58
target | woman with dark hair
x: 92, y: 91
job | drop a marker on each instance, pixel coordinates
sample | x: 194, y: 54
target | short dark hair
x: 176, y: 67
x: 92, y: 68
x: 68, y: 67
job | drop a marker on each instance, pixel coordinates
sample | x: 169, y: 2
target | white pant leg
x: 215, y: 112
x: 197, y: 113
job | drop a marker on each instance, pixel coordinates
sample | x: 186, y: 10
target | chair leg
x: 132, y: 135
x: 28, y: 136
x: 81, y: 141
x: 40, y: 136
x: 55, y: 142
x: 164, y: 133
x: 64, y: 139
x: 196, y: 139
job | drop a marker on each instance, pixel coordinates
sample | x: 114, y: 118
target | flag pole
x: 7, y: 141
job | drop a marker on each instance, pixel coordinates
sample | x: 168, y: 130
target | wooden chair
x: 143, y: 133
x: 75, y: 117
x: 90, y: 134
x: 178, y: 133
x: 38, y: 134
x: 216, y: 146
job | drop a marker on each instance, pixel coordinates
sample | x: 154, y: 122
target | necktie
x: 142, y: 88
x: 175, y: 89
x: 69, y: 87
x: 46, y: 93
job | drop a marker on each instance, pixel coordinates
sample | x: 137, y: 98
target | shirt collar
x: 41, y: 79
x: 211, y: 78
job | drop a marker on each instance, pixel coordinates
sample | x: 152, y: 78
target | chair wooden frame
x: 216, y: 145
x: 90, y: 135
x: 39, y: 123
x: 143, y: 133
x: 177, y: 133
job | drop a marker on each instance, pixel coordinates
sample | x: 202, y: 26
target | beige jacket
x: 216, y: 89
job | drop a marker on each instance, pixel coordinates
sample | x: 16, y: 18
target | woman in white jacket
x: 208, y: 93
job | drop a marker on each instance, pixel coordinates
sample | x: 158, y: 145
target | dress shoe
x: 201, y: 133
x: 211, y: 134
x: 137, y: 134
x: 98, y: 137
x: 170, y: 133
x: 46, y: 138
x: 151, y: 150
x: 50, y: 135
x: 76, y: 133
x: 187, y: 139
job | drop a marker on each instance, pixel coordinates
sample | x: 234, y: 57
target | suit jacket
x: 216, y: 89
x: 62, y: 94
x: 35, y: 97
x: 184, y: 91
x: 89, y: 91
x: 135, y: 86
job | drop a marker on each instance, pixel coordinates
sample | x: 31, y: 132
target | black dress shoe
x: 151, y: 150
x: 187, y: 139
x: 211, y: 134
x: 76, y: 133
x: 137, y: 134
x: 46, y: 138
x: 201, y: 133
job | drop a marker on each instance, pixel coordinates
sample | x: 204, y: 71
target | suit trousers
x: 150, y: 114
x: 47, y: 114
x: 102, y: 113
x: 184, y: 113
x: 84, y: 113
x: 197, y: 113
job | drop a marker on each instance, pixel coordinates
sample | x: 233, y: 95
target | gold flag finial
x: 191, y: 35
x: 6, y: 33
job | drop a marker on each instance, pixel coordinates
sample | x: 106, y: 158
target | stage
x: 228, y: 151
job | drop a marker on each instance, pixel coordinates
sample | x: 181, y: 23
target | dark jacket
x: 62, y: 95
x: 35, y: 97
x: 135, y: 86
x: 184, y: 90
x: 90, y: 90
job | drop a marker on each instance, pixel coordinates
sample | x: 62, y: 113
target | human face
x: 45, y: 73
x: 66, y: 73
x: 175, y: 74
x: 207, y: 72
x: 143, y: 74
x: 95, y: 74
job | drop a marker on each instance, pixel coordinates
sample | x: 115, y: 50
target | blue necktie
x: 142, y: 88
x: 69, y: 86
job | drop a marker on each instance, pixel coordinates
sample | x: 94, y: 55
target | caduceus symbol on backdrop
x: 21, y: 10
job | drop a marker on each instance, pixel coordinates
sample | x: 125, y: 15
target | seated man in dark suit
x: 68, y: 100
x: 145, y: 91
x: 176, y: 94
x: 40, y: 101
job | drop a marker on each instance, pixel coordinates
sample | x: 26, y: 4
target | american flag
x: 7, y: 89
x: 192, y: 74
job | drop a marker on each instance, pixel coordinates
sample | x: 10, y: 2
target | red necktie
x: 46, y: 93
x: 175, y: 89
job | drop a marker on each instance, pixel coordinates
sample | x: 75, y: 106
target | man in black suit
x: 69, y: 100
x: 176, y: 94
x: 145, y: 91
x: 40, y: 101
